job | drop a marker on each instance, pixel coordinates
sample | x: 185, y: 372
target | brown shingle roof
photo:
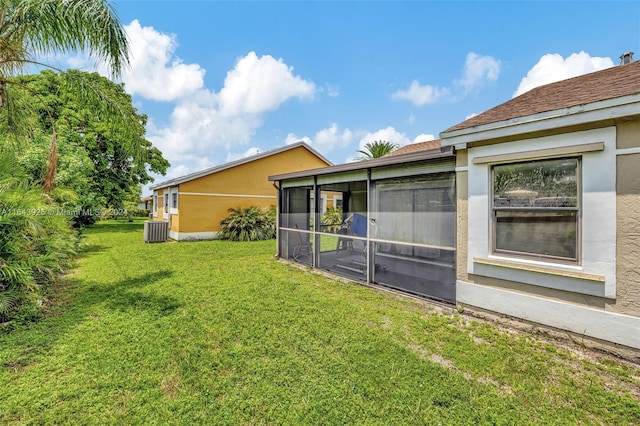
x: 416, y: 147
x: 614, y: 82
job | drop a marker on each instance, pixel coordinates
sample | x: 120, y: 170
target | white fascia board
x: 580, y: 114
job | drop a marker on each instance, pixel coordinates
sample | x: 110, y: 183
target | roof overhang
x: 610, y: 109
x: 216, y: 169
x: 432, y: 154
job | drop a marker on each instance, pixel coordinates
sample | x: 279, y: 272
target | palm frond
x: 9, y: 299
x: 377, y: 149
x: 56, y: 26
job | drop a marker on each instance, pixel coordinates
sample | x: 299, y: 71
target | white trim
x: 460, y: 146
x: 166, y: 195
x: 598, y: 224
x: 462, y: 169
x: 580, y: 114
x: 192, y: 236
x: 540, y: 153
x: 575, y: 282
x: 337, y: 198
x: 156, y: 197
x: 627, y: 151
x: 207, y: 194
x: 174, y: 191
x: 608, y: 326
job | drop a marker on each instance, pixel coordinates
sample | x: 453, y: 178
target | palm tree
x: 377, y: 149
x: 30, y: 29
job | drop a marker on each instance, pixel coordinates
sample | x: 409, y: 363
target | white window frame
x: 173, y: 207
x: 522, y: 254
x: 337, y: 198
x: 165, y: 202
x: 155, y: 203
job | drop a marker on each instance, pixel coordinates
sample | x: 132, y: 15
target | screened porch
x: 389, y: 222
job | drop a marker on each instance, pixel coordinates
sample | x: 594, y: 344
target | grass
x: 223, y: 333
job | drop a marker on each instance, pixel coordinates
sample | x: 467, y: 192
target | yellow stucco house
x: 195, y: 204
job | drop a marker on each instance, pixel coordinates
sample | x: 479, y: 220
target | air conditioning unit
x: 156, y: 231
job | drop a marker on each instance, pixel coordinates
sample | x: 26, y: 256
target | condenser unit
x: 156, y: 231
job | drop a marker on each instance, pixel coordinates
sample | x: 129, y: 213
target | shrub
x: 36, y: 245
x: 248, y: 224
x: 332, y: 220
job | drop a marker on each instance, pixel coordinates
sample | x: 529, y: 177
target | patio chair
x: 302, y: 248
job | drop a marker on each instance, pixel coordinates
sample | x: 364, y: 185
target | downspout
x: 277, y: 256
x: 368, y: 250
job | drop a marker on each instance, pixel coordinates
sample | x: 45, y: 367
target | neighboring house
x: 146, y: 203
x: 195, y: 204
x: 548, y: 188
x: 538, y: 219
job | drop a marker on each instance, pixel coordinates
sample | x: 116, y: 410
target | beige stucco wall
x: 628, y: 233
x: 462, y: 208
x: 628, y: 134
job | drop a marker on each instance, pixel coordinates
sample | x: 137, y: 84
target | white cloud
x: 204, y: 122
x: 332, y: 90
x: 553, y: 67
x: 176, y: 171
x: 388, y: 134
x: 257, y: 85
x: 479, y: 69
x: 423, y: 138
x: 155, y: 73
x: 473, y: 114
x: 421, y: 95
x: 248, y: 153
x: 411, y: 119
x: 325, y: 140
x: 292, y: 138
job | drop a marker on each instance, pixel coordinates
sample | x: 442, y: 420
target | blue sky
x: 223, y: 80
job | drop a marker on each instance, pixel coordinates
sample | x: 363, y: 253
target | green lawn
x: 223, y: 333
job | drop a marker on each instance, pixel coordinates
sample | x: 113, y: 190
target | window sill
x: 542, y: 276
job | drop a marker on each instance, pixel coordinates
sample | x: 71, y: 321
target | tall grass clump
x: 248, y: 224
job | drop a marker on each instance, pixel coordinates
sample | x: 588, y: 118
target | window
x: 337, y: 202
x: 155, y: 203
x: 165, y: 197
x: 536, y: 209
x: 174, y: 200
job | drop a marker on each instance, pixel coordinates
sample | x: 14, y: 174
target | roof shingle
x: 614, y: 82
x: 416, y: 147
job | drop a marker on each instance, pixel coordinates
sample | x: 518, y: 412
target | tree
x: 103, y: 164
x: 33, y: 28
x: 377, y: 149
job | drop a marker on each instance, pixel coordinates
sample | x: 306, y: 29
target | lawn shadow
x: 124, y: 295
x: 93, y: 249
x: 116, y: 226
x: 77, y: 301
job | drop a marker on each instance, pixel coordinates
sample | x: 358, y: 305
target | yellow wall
x: 205, y: 201
x: 160, y: 214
